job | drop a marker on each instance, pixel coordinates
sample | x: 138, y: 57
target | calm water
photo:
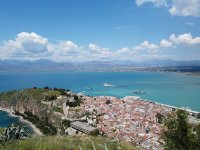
x: 6, y: 120
x: 169, y: 88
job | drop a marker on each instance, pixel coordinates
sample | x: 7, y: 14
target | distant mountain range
x: 46, y: 65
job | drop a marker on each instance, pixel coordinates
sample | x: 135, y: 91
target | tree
x: 198, y: 115
x: 62, y: 91
x: 177, y: 133
x: 197, y: 137
x: 46, y: 88
x: 50, y: 98
x: 76, y: 97
x: 108, y: 102
x: 66, y: 123
x: 159, y: 117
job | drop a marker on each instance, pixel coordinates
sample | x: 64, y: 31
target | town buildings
x: 131, y: 119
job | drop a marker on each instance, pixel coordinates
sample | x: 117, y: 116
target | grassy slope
x: 37, y: 94
x: 67, y: 143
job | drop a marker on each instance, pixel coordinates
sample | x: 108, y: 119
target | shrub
x: 108, y: 102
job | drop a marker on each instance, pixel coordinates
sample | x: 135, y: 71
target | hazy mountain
x: 46, y: 65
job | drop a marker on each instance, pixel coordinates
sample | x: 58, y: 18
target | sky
x: 98, y: 30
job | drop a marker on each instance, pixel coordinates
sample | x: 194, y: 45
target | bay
x: 169, y: 88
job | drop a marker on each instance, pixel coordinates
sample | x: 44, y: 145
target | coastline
x: 162, y: 104
x: 11, y: 113
x: 188, y: 109
x: 126, y: 98
x: 170, y: 106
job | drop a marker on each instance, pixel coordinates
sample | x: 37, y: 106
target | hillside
x: 68, y: 143
x: 39, y: 106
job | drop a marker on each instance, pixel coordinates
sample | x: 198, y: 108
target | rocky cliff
x: 28, y: 103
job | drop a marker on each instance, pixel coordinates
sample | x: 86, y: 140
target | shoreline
x: 38, y: 132
x: 188, y: 109
x: 11, y: 113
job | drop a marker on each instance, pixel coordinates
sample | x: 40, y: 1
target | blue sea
x: 169, y: 88
x: 6, y: 120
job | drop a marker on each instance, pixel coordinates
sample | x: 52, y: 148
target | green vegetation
x: 14, y: 133
x: 58, y: 109
x: 108, y: 102
x: 95, y: 133
x: 1, y: 130
x: 160, y: 117
x: 66, y: 123
x: 50, y: 95
x: 178, y: 134
x: 50, y: 98
x: 198, y: 115
x: 62, y: 91
x: 39, y: 94
x: 35, y: 94
x: 68, y: 143
x: 29, y: 103
x: 75, y: 102
x: 41, y: 123
x: 46, y: 87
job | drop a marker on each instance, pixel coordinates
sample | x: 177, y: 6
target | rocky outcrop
x: 27, y: 103
x: 23, y: 103
x: 42, y: 107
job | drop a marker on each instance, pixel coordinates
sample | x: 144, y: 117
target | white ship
x: 107, y: 84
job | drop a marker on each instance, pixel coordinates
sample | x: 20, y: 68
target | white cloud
x: 176, y: 7
x: 97, y: 50
x: 27, y: 42
x: 147, y: 46
x: 184, y: 39
x: 94, y: 47
x: 63, y: 47
x: 185, y: 8
x: 25, y: 45
x: 31, y: 46
x: 124, y: 50
x: 164, y: 43
x: 180, y: 40
x: 67, y: 45
x: 64, y: 51
x: 157, y: 3
x: 31, y: 42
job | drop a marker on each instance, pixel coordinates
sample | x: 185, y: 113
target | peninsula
x: 61, y: 112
